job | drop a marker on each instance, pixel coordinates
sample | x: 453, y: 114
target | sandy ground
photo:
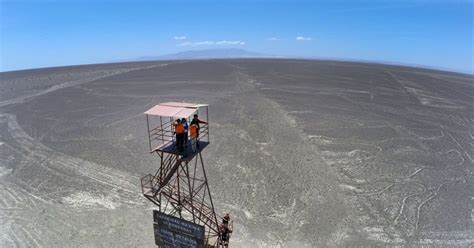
x: 302, y: 153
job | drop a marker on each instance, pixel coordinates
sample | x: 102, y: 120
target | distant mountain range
x: 208, y: 54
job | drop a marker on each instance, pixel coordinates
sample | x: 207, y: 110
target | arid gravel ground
x: 303, y: 153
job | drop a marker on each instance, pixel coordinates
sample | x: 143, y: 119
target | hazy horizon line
x: 270, y: 56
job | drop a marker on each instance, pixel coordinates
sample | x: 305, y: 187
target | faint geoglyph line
x: 57, y: 160
x: 63, y: 85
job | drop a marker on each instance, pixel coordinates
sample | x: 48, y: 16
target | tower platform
x: 170, y: 147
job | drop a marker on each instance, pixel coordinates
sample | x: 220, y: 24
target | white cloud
x: 179, y: 38
x: 272, y: 38
x: 210, y: 42
x: 203, y: 43
x: 233, y: 42
x: 303, y: 38
x: 197, y: 43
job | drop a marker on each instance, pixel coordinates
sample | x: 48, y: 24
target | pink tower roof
x: 174, y: 109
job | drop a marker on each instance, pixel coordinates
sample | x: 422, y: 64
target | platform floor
x: 188, y: 154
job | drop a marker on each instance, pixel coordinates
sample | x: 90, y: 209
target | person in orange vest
x: 196, y: 121
x: 179, y: 131
x: 186, y: 128
x: 193, y: 136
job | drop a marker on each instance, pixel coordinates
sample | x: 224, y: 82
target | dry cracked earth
x: 303, y: 153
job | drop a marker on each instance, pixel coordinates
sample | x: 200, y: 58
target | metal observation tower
x: 186, y: 216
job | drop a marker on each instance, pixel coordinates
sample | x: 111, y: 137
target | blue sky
x: 433, y: 33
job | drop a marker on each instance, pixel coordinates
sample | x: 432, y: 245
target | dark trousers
x: 197, y: 138
x: 180, y: 142
x: 185, y: 142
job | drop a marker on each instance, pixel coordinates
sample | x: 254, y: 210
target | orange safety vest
x: 193, y: 131
x: 179, y: 128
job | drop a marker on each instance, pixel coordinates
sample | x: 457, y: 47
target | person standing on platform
x: 179, y: 131
x: 196, y: 121
x: 186, y: 127
x: 193, y: 136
